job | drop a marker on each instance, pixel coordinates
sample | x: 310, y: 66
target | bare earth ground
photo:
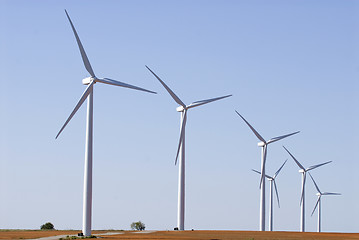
x: 33, y: 234
x: 186, y: 235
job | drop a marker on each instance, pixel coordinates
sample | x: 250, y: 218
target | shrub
x: 138, y: 226
x: 47, y: 226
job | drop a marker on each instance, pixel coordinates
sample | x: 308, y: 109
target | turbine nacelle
x: 301, y: 171
x: 318, y: 194
x: 88, y: 80
x: 261, y: 144
x: 180, y: 109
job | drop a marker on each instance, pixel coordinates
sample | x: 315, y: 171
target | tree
x: 138, y: 226
x: 47, y: 226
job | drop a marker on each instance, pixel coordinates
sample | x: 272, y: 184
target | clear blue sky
x: 290, y: 65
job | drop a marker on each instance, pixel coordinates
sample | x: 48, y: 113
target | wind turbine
x: 90, y: 81
x: 319, y: 203
x: 263, y: 144
x: 183, y: 108
x: 272, y: 182
x: 304, y: 171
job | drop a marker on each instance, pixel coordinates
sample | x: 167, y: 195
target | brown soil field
x: 188, y: 235
x: 31, y: 234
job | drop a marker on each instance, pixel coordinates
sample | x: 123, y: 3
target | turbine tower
x: 263, y: 144
x: 272, y: 182
x: 183, y: 108
x: 90, y: 81
x: 303, y: 171
x: 319, y: 203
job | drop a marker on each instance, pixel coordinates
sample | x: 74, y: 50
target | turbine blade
x: 269, y: 177
x: 315, y: 184
x: 82, y: 50
x: 199, y: 103
x: 173, y: 95
x: 183, y: 127
x: 299, y: 165
x: 263, y: 166
x: 78, y: 105
x: 276, y: 192
x: 256, y: 171
x: 315, y: 166
x: 303, y: 185
x: 121, y: 84
x: 330, y: 193
x: 316, y: 205
x: 281, y: 137
x: 277, y: 172
x: 253, y: 130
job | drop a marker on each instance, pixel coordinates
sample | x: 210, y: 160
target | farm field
x: 185, y: 235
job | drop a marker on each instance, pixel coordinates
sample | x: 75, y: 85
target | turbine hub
x: 87, y: 81
x: 261, y: 144
x: 180, y: 109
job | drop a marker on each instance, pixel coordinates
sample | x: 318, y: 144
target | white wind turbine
x: 263, y: 144
x: 272, y: 182
x: 90, y: 81
x: 304, y: 171
x: 183, y: 108
x: 319, y: 203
